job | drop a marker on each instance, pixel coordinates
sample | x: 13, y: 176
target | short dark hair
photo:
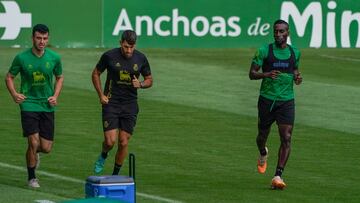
x: 129, y: 36
x: 281, y: 22
x: 40, y: 28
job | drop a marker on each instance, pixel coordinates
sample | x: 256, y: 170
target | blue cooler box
x: 114, y: 187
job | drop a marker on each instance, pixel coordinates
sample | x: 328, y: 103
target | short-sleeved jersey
x: 269, y: 57
x: 120, y: 72
x: 37, y: 78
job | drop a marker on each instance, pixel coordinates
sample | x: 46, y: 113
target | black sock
x: 263, y: 152
x: 279, y: 171
x: 31, y: 172
x: 117, y: 168
x: 104, y: 155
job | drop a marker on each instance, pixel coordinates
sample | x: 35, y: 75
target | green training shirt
x: 280, y: 88
x: 37, y: 78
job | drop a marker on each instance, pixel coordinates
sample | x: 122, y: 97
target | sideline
x: 74, y: 180
x: 339, y: 58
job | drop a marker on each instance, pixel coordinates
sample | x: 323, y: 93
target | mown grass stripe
x: 74, y: 180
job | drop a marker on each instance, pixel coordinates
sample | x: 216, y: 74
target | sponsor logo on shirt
x: 39, y: 78
x: 124, y: 78
x: 280, y: 65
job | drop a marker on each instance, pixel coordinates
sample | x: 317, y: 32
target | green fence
x: 181, y: 23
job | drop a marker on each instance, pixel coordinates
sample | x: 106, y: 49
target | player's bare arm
x: 17, y: 97
x: 148, y: 81
x: 97, y: 85
x: 297, y: 77
x: 58, y: 86
x: 144, y: 84
x: 254, y: 73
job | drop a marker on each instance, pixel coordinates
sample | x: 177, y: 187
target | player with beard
x: 124, y: 65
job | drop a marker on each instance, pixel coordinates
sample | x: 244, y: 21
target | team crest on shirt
x: 136, y: 67
x: 30, y: 66
x: 118, y: 65
x: 47, y: 64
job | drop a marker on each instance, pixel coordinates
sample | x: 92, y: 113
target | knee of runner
x: 286, y: 139
x: 109, y: 143
x: 46, y: 150
x: 34, y: 144
x: 123, y: 143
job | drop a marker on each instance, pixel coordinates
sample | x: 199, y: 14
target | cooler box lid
x: 109, y: 179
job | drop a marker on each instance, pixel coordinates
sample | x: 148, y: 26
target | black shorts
x: 283, y: 112
x: 38, y: 122
x: 120, y: 116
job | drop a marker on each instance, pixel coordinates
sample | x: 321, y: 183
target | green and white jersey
x: 37, y: 78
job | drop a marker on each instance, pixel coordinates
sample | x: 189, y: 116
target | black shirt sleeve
x: 145, y: 70
x: 102, y: 63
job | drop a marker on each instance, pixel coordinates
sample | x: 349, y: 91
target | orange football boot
x: 262, y: 162
x: 277, y: 183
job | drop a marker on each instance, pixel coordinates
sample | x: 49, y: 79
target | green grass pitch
x: 195, y: 136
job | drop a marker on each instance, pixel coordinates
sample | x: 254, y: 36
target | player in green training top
x: 37, y: 97
x: 279, y: 63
